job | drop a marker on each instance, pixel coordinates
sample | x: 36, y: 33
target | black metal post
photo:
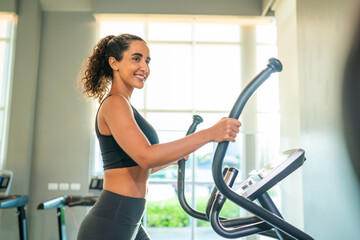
x: 61, y: 223
x: 267, y: 203
x: 22, y: 222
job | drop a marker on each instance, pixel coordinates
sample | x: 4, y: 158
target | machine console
x: 6, y: 177
x: 265, y: 178
x: 96, y: 185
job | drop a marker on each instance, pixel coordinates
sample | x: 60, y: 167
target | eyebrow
x: 139, y: 54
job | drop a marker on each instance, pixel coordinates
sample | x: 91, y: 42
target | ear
x: 113, y: 63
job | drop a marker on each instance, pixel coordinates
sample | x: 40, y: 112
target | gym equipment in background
x: 59, y: 203
x: 13, y: 201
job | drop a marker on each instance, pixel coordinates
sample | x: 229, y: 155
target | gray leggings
x: 114, y: 217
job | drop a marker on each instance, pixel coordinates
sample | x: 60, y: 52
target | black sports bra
x: 113, y: 155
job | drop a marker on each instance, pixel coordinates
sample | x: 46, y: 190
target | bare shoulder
x: 116, y: 107
x: 116, y: 103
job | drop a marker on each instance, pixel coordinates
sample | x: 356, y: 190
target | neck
x: 119, y: 88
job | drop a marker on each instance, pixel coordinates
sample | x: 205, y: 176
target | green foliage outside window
x: 168, y: 213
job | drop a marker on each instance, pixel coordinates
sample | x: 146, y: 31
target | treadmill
x: 59, y: 203
x: 13, y: 201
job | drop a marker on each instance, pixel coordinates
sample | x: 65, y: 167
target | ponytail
x: 98, y: 74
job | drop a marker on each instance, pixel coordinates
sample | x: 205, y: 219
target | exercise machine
x: 13, y: 201
x: 266, y: 219
x: 59, y: 203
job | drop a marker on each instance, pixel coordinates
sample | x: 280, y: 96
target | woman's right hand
x: 225, y: 130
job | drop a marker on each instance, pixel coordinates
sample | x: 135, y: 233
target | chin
x: 140, y: 86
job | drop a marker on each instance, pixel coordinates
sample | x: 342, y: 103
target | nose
x: 144, y: 67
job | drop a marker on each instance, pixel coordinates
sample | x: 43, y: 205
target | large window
x: 196, y: 68
x: 7, y: 25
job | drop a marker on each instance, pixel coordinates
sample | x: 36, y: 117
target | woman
x: 129, y: 145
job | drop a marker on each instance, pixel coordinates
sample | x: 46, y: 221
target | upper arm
x: 118, y: 115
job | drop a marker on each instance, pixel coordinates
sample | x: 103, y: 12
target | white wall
x: 8, y: 6
x: 331, y: 192
x: 63, y: 118
x: 291, y: 188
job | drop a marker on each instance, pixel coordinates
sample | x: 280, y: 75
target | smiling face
x: 133, y: 68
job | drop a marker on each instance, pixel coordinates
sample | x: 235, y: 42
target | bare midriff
x: 130, y: 181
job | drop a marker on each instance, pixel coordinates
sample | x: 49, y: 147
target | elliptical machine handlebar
x: 181, y: 177
x: 249, y: 223
x: 274, y: 65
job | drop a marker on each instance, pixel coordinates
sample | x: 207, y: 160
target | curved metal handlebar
x: 250, y: 223
x: 274, y: 65
x: 53, y: 203
x: 13, y: 201
x: 181, y: 177
x: 67, y: 200
x: 215, y: 192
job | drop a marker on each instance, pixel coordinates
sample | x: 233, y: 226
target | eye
x: 147, y: 62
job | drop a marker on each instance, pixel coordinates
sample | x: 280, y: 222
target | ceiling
x: 87, y: 5
x: 66, y: 5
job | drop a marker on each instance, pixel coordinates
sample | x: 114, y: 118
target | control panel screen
x: 4, y: 181
x: 96, y: 184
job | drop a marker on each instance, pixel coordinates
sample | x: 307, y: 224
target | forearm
x: 157, y: 155
x: 154, y: 170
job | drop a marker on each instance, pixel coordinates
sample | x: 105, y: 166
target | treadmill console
x: 96, y: 185
x: 5, y: 182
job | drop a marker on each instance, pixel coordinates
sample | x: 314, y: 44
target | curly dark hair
x: 98, y: 74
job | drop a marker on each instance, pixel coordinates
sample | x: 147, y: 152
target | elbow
x: 148, y: 159
x: 146, y: 162
x: 145, y: 165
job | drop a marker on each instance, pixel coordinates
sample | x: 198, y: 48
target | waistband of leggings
x: 123, y: 209
x: 111, y: 197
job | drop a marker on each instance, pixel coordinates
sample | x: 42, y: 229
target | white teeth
x: 140, y: 76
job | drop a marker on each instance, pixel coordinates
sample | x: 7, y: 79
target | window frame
x: 6, y: 82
